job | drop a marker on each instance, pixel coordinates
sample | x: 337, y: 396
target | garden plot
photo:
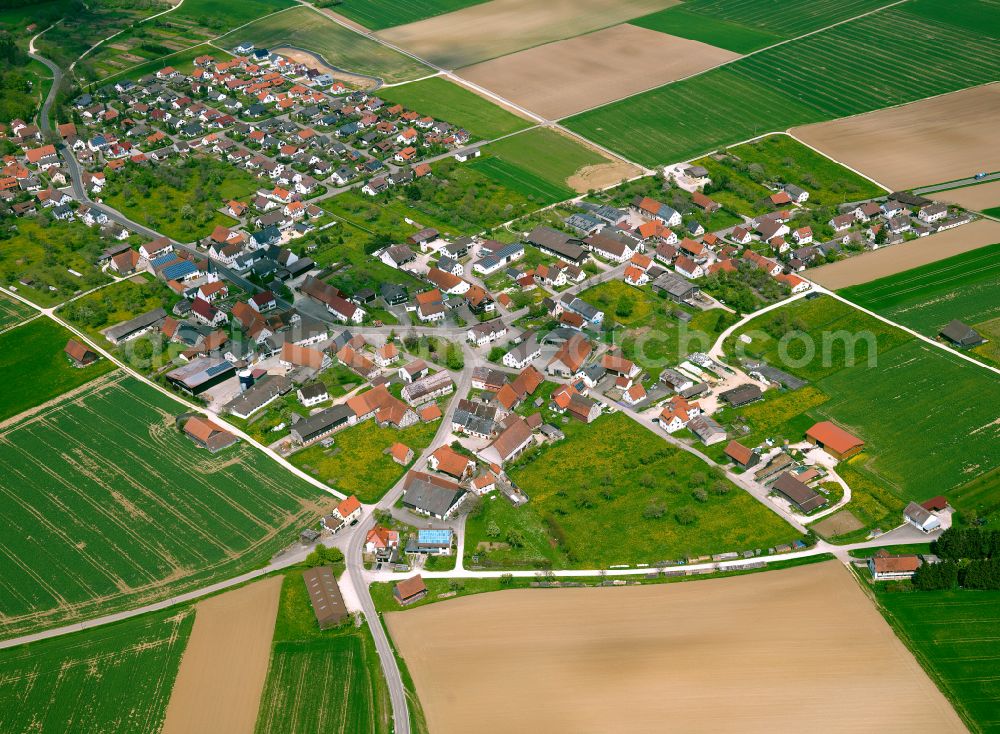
x: 707, y: 656
x: 955, y: 134
x: 559, y: 79
x: 102, y: 492
x: 501, y: 27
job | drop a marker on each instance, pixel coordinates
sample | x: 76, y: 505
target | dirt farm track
x: 800, y: 649
x: 919, y: 144
x: 897, y: 258
x: 563, y: 78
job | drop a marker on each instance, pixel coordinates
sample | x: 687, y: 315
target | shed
x: 325, y: 597
x: 410, y: 590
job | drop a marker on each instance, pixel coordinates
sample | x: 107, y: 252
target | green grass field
x: 953, y: 635
x: 104, y: 494
x: 614, y: 492
x: 117, y: 677
x: 833, y: 73
x: 514, y: 177
x: 927, y: 416
x: 209, y: 12
x: 356, y: 464
x: 13, y: 312
x: 341, y: 47
x: 964, y: 287
x: 546, y: 154
x: 747, y: 25
x: 33, y: 364
x: 379, y: 14
x: 183, y: 61
x: 445, y: 100
x: 783, y: 158
x: 678, y: 21
x: 327, y: 681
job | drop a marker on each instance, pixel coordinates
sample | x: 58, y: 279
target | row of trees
x: 967, y: 543
x: 970, y: 559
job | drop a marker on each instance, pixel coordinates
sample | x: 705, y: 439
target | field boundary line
x: 196, y: 408
x: 822, y: 289
x: 738, y: 58
x: 27, y: 417
x: 14, y: 326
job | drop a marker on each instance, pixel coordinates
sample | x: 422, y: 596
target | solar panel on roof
x: 216, y: 369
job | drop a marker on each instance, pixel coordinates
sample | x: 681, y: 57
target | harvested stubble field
x: 832, y: 73
x: 955, y: 134
x: 953, y: 633
x: 103, y: 493
x: 894, y: 259
x: 114, y: 678
x: 343, y: 48
x: 222, y: 671
x: 978, y: 198
x: 964, y: 287
x: 559, y: 79
x: 320, y: 680
x: 458, y: 39
x: 552, y: 660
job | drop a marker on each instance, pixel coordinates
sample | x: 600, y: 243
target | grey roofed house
x: 201, y: 374
x: 609, y: 214
x: 905, y: 197
x: 961, y: 334
x: 313, y: 391
x: 707, y: 430
x: 559, y: 335
x: 799, y: 494
x: 677, y: 287
x: 475, y: 417
x: 134, y: 327
x: 321, y: 423
x: 585, y: 223
x: 741, y: 395
x: 341, y: 340
x: 558, y: 243
x: 392, y: 293
x: 578, y: 305
x: 431, y: 495
x: 254, y: 398
x: 773, y: 374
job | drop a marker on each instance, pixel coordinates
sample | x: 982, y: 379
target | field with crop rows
x: 340, y: 47
x: 521, y: 180
x: 108, y: 505
x: 114, y: 678
x: 326, y: 681
x: 836, y: 72
x: 964, y: 287
x: 547, y: 155
x: 13, y: 312
x: 953, y: 635
x: 927, y: 416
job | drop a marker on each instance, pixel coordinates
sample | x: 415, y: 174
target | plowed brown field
x: 801, y: 649
x: 919, y: 144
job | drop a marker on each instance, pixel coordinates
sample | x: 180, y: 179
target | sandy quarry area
x: 566, y: 77
x: 982, y: 196
x: 801, y: 649
x: 897, y: 258
x: 223, y: 669
x: 919, y: 144
x: 313, y: 62
x: 500, y: 27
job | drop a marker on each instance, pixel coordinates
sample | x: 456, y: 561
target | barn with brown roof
x: 325, y: 597
x: 80, y: 354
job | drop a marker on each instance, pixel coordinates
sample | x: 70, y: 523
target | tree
x: 934, y: 576
x: 700, y: 495
x: 654, y: 511
x: 496, y: 354
x: 686, y: 516
x: 323, y: 556
x: 492, y: 529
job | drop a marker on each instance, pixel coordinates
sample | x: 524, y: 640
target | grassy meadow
x: 320, y: 680
x: 356, y: 462
x: 116, y: 677
x: 620, y: 483
x: 453, y: 103
x: 33, y: 353
x: 105, y: 493
x: 345, y: 49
